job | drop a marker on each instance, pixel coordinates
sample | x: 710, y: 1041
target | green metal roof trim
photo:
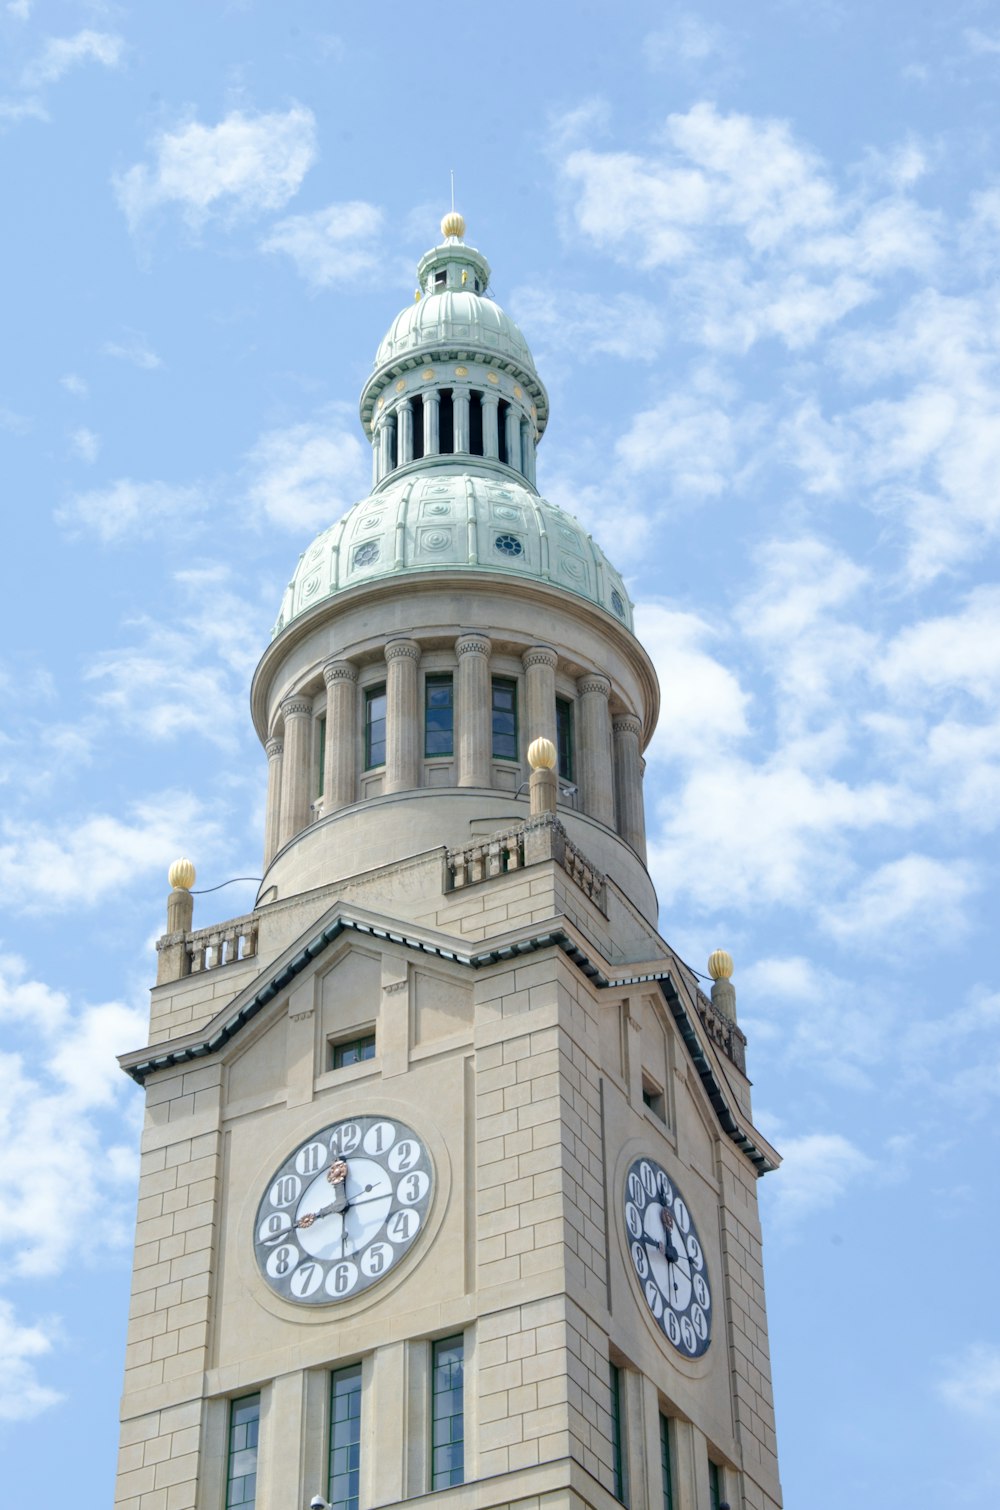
x: 139, y: 1064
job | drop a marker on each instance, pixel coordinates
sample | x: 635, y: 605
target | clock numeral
x: 286, y: 1190
x: 666, y: 1190
x: 282, y: 1260
x: 672, y: 1327
x: 633, y: 1220
x: 698, y: 1322
x: 404, y: 1156
x: 648, y: 1177
x: 654, y: 1299
x: 377, y: 1258
x: 635, y: 1190
x: 345, y: 1138
x: 380, y: 1138
x: 640, y: 1260
x: 688, y: 1337
x: 310, y: 1160
x: 306, y: 1280
x: 273, y: 1226
x: 402, y: 1225
x: 413, y: 1187
x: 681, y: 1215
x: 701, y: 1290
x: 341, y: 1279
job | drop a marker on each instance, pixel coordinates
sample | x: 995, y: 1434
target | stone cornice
x: 296, y: 707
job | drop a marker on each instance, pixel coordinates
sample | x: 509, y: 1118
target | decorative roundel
x: 509, y: 545
x: 366, y: 554
x: 342, y: 1210
x: 668, y: 1258
x: 617, y: 603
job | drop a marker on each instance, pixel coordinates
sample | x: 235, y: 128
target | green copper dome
x: 446, y: 521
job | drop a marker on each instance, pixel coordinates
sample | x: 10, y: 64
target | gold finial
x: 542, y: 755
x: 181, y: 875
x: 416, y: 296
x: 453, y: 224
x: 720, y: 964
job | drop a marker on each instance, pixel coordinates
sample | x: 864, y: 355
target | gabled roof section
x: 140, y: 1063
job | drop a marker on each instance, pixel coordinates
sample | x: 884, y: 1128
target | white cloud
x: 971, y: 1382
x: 710, y: 694
x: 981, y: 42
x: 307, y: 475
x: 22, y: 1395
x: 23, y: 110
x: 19, y: 9
x: 691, y: 440
x: 243, y: 167
x: 817, y: 1170
x: 620, y: 325
x: 800, y: 1014
x: 135, y: 349
x: 960, y: 650
x: 85, y: 444
x: 915, y: 893
x: 335, y: 245
x: 129, y: 508
x: 687, y: 39
x: 60, y: 54
x: 74, y: 384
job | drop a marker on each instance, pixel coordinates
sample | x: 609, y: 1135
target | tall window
x: 374, y: 727
x: 476, y: 422
x: 564, y: 737
x: 447, y: 1413
x: 502, y: 408
x: 345, y: 1437
x: 321, y: 748
x: 241, y: 1474
x: 504, y: 719
x: 666, y: 1466
x: 439, y: 716
x: 618, y: 1467
x: 714, y: 1484
x: 446, y: 422
x: 418, y: 425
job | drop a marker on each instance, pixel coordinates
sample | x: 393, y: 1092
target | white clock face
x: 342, y: 1210
x: 668, y: 1258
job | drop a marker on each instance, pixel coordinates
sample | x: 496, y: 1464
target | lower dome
x: 437, y: 520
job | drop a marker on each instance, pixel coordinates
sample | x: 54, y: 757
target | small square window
x: 652, y: 1096
x: 346, y: 1051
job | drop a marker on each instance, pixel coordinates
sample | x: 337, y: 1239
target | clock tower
x: 449, y: 1173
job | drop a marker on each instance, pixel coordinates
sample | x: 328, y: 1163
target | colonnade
x: 607, y: 749
x: 393, y: 438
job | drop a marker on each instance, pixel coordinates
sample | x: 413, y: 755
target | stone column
x: 460, y: 410
x: 527, y: 450
x: 296, y: 768
x: 473, y: 711
x: 540, y: 692
x: 340, y: 771
x: 405, y: 412
x: 402, y: 717
x: 513, y: 438
x: 491, y: 428
x: 629, y: 815
x: 376, y: 446
x: 432, y: 423
x: 272, y: 820
x: 594, y: 767
x: 388, y: 444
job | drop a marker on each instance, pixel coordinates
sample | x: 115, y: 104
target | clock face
x: 668, y: 1258
x: 342, y: 1210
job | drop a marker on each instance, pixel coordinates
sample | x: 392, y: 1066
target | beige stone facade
x: 529, y: 1025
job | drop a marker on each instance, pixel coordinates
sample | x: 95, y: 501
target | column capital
x: 594, y: 684
x: 627, y: 723
x: 296, y: 707
x: 339, y: 671
x: 539, y: 655
x: 471, y: 643
x: 274, y: 746
x: 399, y: 649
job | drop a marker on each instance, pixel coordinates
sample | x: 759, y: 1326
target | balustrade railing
x: 539, y: 839
x: 208, y: 948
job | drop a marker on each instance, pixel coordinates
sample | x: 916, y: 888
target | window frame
x: 619, y: 1459
x: 371, y: 695
x: 564, y: 724
x: 439, y: 679
x: 509, y: 682
x: 232, y: 1426
x: 445, y: 1477
x: 337, y: 1046
x: 666, y: 1462
x: 320, y: 754
x: 351, y: 1372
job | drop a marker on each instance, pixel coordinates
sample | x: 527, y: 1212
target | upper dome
x: 437, y: 519
x: 455, y: 319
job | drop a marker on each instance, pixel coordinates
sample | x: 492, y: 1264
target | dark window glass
x: 241, y: 1474
x: 447, y: 1413
x: 617, y: 1437
x: 418, y: 426
x: 345, y: 1437
x: 352, y: 1051
x: 666, y: 1468
x: 446, y: 422
x: 502, y: 408
x: 441, y: 278
x: 439, y: 716
x: 476, y: 423
x: 321, y: 754
x: 564, y: 737
x: 652, y: 1097
x: 714, y: 1485
x: 374, y: 727
x: 504, y: 719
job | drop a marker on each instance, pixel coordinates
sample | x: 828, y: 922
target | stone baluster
x: 340, y: 770
x: 594, y: 764
x: 474, y: 711
x: 296, y: 768
x: 402, y: 720
x: 629, y: 815
x: 405, y: 412
x: 432, y: 423
x: 460, y: 411
x: 513, y: 438
x: 272, y: 820
x: 540, y: 691
x: 491, y: 427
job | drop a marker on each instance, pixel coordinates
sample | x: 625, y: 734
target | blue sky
x: 754, y: 250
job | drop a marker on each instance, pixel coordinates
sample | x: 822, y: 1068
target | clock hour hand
x: 337, y: 1177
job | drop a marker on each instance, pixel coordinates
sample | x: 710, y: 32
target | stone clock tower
x: 448, y: 1172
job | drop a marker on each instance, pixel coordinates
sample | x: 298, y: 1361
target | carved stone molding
x: 539, y: 655
x: 339, y: 671
x: 274, y: 747
x: 473, y: 644
x: 397, y: 650
x: 296, y: 707
x: 626, y: 723
x: 594, y: 684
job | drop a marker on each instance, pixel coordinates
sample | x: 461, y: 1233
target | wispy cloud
x: 308, y: 474
x: 60, y: 54
x: 128, y: 508
x: 133, y: 348
x: 902, y: 897
x: 22, y: 1395
x: 245, y: 166
x: 85, y: 444
x: 817, y: 1171
x: 970, y: 1381
x: 622, y: 325
x: 333, y: 246
x: 75, y: 385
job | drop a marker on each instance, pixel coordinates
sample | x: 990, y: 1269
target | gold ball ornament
x: 453, y: 224
x: 182, y: 875
x: 720, y: 964
x: 542, y: 755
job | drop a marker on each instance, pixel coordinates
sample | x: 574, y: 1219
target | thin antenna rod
x: 453, y: 191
